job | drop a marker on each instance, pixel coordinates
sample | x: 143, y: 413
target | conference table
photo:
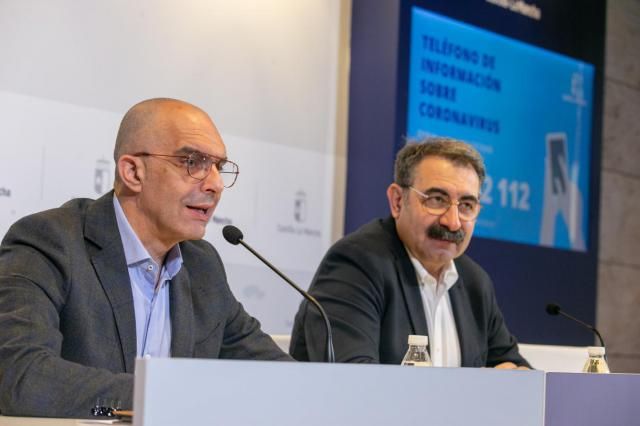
x: 170, y: 392
x: 32, y: 421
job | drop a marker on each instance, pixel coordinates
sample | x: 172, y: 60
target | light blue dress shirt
x: 150, y: 288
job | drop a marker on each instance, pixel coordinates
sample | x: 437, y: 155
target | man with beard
x: 88, y: 287
x: 407, y: 274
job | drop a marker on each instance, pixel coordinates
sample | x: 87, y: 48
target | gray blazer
x: 368, y: 287
x: 67, y: 323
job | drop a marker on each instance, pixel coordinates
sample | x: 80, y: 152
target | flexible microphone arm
x: 553, y: 309
x: 234, y: 236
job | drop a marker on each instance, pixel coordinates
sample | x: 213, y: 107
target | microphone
x: 234, y: 236
x: 553, y: 309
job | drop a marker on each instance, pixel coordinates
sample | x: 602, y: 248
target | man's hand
x: 510, y: 366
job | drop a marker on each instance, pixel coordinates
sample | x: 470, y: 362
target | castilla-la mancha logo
x: 300, y: 206
x: 102, y: 179
x: 300, y: 226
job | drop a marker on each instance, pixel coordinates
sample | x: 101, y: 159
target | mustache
x: 439, y: 232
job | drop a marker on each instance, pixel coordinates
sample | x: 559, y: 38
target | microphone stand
x: 329, y: 340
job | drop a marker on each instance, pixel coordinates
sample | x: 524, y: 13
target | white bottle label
x: 417, y: 363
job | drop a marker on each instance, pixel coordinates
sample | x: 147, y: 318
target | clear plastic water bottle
x: 596, y: 362
x: 417, y: 355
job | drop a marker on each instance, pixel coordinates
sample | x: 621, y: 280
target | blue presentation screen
x: 526, y: 109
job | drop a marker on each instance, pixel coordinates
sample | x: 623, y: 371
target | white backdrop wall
x: 270, y: 74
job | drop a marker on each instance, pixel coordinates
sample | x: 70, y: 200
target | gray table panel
x: 218, y: 392
x: 592, y: 399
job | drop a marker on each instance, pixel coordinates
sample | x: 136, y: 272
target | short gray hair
x: 458, y: 152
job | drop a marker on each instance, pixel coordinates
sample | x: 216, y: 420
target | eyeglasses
x: 438, y: 204
x: 199, y: 165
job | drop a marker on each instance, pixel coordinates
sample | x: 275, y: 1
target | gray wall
x: 272, y: 74
x: 619, y: 258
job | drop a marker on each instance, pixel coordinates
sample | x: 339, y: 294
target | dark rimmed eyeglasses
x: 438, y: 204
x: 199, y: 165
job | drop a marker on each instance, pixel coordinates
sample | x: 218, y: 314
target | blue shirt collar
x: 135, y: 253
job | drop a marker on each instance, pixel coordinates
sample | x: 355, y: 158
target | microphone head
x: 232, y: 234
x: 553, y: 309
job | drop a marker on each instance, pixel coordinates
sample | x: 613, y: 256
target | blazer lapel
x: 408, y: 281
x: 412, y: 296
x: 107, y: 257
x: 182, y: 321
x: 463, y: 315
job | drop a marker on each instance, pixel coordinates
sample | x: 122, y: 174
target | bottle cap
x: 595, y: 350
x: 417, y: 340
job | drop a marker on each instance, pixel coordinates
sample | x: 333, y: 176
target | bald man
x: 88, y: 287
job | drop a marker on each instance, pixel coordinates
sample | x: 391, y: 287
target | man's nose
x: 213, y: 182
x: 451, y: 218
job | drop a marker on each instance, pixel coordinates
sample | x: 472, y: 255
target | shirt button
x: 147, y: 356
x: 149, y: 267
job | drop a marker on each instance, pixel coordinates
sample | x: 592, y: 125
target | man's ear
x: 394, y: 196
x: 131, y: 172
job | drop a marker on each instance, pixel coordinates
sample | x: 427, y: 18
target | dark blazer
x: 368, y: 287
x: 67, y: 323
